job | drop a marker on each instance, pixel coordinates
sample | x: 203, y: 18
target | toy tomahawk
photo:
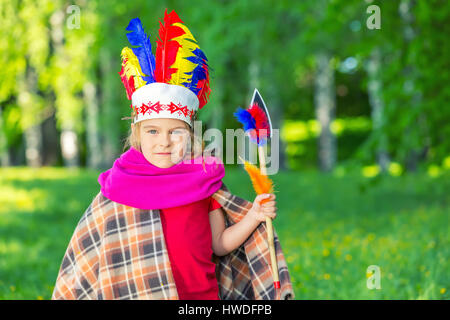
x: 257, y: 124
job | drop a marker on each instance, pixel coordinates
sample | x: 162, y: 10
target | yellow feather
x: 188, y: 44
x: 131, y: 67
x: 261, y: 183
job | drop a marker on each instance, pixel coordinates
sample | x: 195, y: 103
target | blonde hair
x: 195, y: 144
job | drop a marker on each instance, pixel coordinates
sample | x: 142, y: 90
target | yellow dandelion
x: 446, y: 163
x: 40, y: 298
x: 442, y: 291
x: 326, y: 252
x: 434, y: 171
x: 370, y: 171
x: 369, y: 274
x: 348, y: 257
x: 326, y: 276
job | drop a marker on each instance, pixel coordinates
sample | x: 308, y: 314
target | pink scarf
x: 135, y: 182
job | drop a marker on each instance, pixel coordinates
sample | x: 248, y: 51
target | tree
x: 323, y: 33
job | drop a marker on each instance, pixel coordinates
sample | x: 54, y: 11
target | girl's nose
x: 165, y: 139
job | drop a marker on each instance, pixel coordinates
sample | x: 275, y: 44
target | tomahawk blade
x: 257, y: 98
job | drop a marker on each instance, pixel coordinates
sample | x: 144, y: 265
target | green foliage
x: 397, y: 223
x: 45, y: 65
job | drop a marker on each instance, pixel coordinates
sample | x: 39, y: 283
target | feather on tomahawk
x: 262, y: 184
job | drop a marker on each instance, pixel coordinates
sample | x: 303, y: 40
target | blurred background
x: 359, y: 90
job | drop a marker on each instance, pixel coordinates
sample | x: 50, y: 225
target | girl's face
x: 163, y: 141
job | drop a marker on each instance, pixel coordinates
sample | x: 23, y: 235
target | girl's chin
x: 164, y: 162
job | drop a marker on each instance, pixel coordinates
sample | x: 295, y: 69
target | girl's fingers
x: 269, y: 209
x: 268, y: 204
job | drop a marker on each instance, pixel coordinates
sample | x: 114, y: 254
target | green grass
x: 331, y: 229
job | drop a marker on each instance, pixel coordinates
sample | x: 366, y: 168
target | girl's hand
x: 259, y: 211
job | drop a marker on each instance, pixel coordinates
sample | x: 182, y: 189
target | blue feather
x: 244, y: 117
x: 143, y: 50
x: 199, y: 73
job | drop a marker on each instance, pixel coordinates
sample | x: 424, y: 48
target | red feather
x: 127, y: 83
x: 205, y: 90
x: 166, y: 48
x: 261, y: 121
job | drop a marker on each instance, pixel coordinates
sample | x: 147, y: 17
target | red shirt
x: 188, y: 236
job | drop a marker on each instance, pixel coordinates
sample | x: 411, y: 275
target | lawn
x: 331, y: 228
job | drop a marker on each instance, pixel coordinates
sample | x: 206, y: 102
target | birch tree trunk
x: 325, y: 106
x: 377, y: 107
x: 414, y: 132
x: 68, y: 138
x: 92, y: 131
x: 29, y: 108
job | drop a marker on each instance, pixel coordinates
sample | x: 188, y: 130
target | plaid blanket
x: 119, y: 252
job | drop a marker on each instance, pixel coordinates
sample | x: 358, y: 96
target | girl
x: 164, y: 226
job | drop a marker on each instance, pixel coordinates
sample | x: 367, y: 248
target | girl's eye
x: 153, y: 131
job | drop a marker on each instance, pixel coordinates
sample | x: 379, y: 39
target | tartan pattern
x: 119, y: 252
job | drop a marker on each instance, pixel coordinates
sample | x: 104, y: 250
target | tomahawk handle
x: 270, y: 238
x: 273, y: 257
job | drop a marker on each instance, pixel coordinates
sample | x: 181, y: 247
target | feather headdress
x: 174, y: 83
